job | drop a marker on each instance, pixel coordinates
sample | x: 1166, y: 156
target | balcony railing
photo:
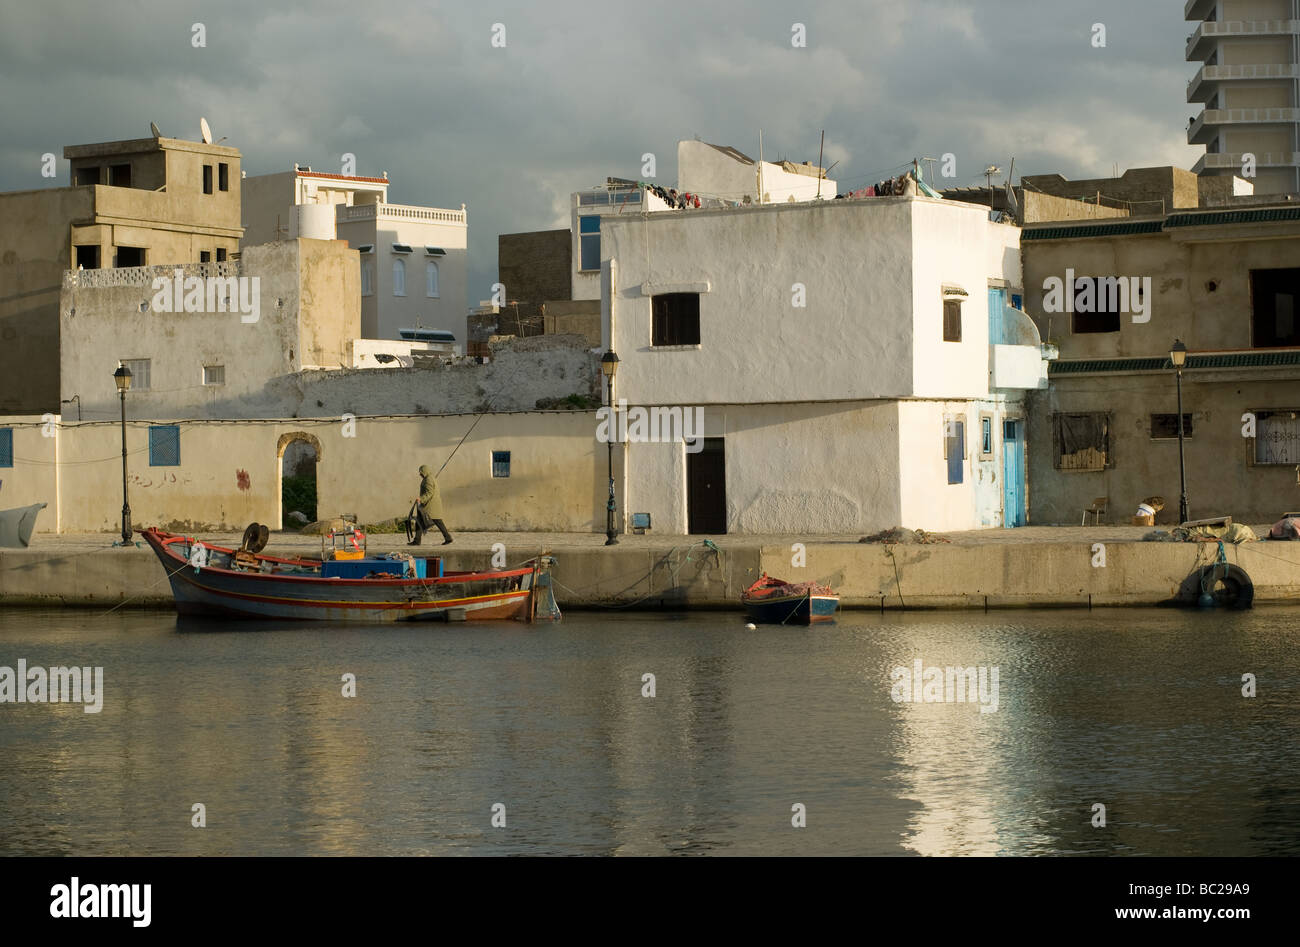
x: 1200, y: 131
x: 1263, y: 159
x: 1208, y: 74
x: 347, y: 214
x: 1198, y: 44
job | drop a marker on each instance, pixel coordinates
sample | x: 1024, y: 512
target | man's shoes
x: 446, y: 542
x: 414, y: 542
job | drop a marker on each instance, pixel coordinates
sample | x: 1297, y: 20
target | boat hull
x: 231, y: 593
x: 804, y: 609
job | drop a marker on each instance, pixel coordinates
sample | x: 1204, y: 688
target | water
x: 1139, y: 710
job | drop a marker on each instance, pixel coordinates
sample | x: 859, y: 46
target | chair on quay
x: 1096, y: 511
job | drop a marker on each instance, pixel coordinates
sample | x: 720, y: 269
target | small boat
x: 208, y: 579
x: 777, y: 602
x: 16, y: 525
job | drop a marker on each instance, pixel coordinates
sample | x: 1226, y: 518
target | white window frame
x: 431, y: 279
x: 134, y: 366
x: 399, y: 277
x: 215, y: 369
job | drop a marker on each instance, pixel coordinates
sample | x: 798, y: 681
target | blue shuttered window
x: 956, y: 450
x: 164, y: 445
x: 6, y: 447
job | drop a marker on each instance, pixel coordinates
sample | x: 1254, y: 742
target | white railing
x: 145, y: 275
x: 1252, y: 71
x: 1211, y: 28
x: 399, y: 212
x: 1263, y: 159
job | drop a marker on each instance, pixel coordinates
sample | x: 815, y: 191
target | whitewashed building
x: 723, y: 172
x: 857, y: 364
x: 414, y: 260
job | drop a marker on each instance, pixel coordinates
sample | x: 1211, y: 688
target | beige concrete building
x: 1227, y: 283
x: 1248, y: 86
x: 130, y: 203
x: 210, y: 346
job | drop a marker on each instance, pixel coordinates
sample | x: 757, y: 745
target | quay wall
x: 631, y: 575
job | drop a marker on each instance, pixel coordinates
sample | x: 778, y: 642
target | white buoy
x: 751, y: 627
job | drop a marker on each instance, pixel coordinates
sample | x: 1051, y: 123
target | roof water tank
x: 313, y: 221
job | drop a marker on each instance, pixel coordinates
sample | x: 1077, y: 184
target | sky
x: 581, y: 90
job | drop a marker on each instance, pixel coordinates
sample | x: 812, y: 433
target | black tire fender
x: 1237, y: 591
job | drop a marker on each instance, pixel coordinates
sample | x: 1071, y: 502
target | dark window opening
x: 986, y: 435
x: 1097, y: 305
x: 87, y: 176
x: 6, y: 447
x: 223, y: 176
x: 221, y: 254
x: 501, y: 463
x: 88, y: 258
x: 207, y: 179
x: 130, y: 256
x: 1273, y: 296
x: 952, y: 320
x: 676, y: 319
x: 119, y: 175
x: 1082, y: 441
x: 1166, y: 425
x: 205, y: 256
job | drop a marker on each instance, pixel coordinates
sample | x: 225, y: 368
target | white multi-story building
x: 855, y: 365
x: 1249, y: 87
x: 414, y: 260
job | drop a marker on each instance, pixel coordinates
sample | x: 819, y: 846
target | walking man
x: 430, y: 513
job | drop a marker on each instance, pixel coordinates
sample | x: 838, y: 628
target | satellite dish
x: 206, y: 131
x: 154, y: 128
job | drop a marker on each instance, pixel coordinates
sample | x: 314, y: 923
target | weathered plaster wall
x: 229, y: 473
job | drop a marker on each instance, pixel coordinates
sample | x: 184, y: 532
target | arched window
x: 399, y: 278
x: 431, y: 279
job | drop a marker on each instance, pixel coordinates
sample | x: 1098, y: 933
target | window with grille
x: 214, y: 374
x: 1277, y: 437
x: 6, y: 447
x: 501, y: 463
x: 164, y: 445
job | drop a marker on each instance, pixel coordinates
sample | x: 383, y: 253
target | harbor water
x: 636, y: 733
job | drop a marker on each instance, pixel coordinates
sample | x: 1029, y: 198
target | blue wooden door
x: 997, y: 306
x: 1013, y: 474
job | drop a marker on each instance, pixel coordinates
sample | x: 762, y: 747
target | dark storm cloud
x: 582, y: 90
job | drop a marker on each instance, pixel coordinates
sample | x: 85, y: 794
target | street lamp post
x: 1178, y: 356
x: 122, y: 377
x: 609, y: 367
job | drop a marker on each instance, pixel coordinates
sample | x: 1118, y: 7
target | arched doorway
x: 298, y: 454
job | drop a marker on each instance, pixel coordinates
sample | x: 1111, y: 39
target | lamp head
x: 609, y: 364
x: 1178, y: 354
x: 122, y: 378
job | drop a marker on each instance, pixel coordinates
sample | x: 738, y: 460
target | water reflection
x: 1140, y: 711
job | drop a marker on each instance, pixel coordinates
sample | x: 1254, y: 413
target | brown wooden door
x: 706, y: 488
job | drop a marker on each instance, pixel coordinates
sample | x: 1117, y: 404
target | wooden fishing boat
x: 208, y: 579
x: 777, y: 602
